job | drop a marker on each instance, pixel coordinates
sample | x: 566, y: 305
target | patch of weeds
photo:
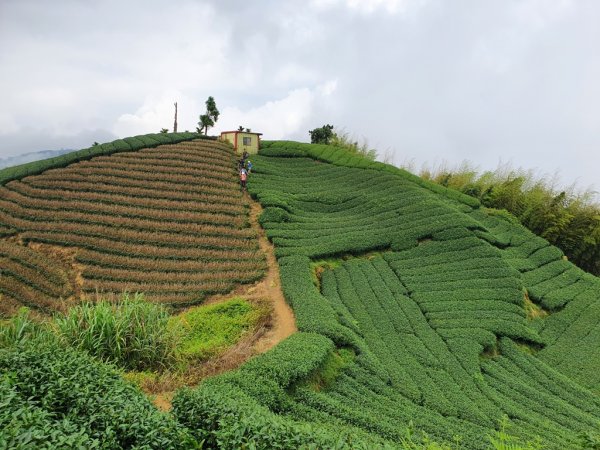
x: 502, y: 440
x: 333, y: 365
x: 319, y: 266
x: 490, y: 352
x: 207, y: 331
x: 533, y: 310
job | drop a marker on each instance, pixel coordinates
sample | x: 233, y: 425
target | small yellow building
x: 243, y: 141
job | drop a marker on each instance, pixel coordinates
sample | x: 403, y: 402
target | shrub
x: 55, y: 397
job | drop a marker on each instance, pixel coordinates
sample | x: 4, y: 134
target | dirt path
x: 284, y: 322
x: 281, y: 325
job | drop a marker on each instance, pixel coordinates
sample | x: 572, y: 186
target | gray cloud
x: 429, y: 80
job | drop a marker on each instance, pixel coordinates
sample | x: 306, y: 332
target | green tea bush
x: 131, y: 333
x: 56, y: 397
x: 566, y: 218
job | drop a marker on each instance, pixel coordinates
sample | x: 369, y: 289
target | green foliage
x: 343, y: 140
x: 321, y: 135
x: 566, y: 218
x: 341, y: 157
x: 131, y: 333
x: 211, y: 116
x: 229, y: 411
x: 502, y: 440
x: 128, y: 144
x: 331, y: 368
x: 55, y: 397
x: 209, y: 330
x: 21, y: 328
x: 447, y: 288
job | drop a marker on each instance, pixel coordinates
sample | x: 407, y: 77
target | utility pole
x: 175, y: 124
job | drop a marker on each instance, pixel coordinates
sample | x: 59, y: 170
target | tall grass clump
x: 566, y: 217
x: 21, y: 329
x: 342, y: 139
x: 131, y: 333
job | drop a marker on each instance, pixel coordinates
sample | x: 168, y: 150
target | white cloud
x: 537, y: 14
x: 370, y: 6
x: 158, y: 112
x: 278, y: 119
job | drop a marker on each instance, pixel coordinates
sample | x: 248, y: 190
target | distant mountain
x: 33, y: 156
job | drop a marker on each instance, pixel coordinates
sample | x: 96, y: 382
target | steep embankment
x: 169, y: 222
x: 455, y: 316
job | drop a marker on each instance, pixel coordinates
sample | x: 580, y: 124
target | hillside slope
x: 456, y: 316
x: 168, y: 221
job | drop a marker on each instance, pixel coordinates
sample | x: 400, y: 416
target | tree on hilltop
x: 321, y: 135
x: 210, y: 118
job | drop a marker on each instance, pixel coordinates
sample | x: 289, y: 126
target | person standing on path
x: 243, y: 178
x: 249, y: 166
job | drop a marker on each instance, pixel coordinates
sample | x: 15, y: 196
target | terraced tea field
x: 168, y: 221
x: 456, y: 316
x: 416, y: 307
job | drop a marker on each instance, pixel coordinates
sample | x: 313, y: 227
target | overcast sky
x: 420, y: 80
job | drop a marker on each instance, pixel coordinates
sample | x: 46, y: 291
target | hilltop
x: 416, y: 306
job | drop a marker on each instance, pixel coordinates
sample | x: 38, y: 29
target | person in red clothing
x: 243, y: 178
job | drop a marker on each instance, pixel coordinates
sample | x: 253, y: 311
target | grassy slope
x: 438, y: 322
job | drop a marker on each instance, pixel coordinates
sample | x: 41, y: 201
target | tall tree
x: 210, y: 117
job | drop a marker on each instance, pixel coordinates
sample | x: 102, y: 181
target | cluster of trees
x: 566, y: 218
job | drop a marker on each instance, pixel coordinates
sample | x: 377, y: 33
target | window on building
x: 247, y: 140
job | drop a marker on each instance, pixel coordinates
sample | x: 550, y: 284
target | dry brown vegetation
x: 169, y: 221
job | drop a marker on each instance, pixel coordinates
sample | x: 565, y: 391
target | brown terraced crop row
x: 175, y: 294
x: 49, y: 210
x: 32, y: 260
x: 123, y: 181
x: 159, y: 239
x: 26, y: 195
x: 82, y: 185
x: 169, y: 222
x: 23, y: 273
x: 9, y: 306
x: 164, y: 278
x: 204, y: 172
x: 149, y: 176
x: 27, y: 220
x: 30, y: 277
x: 99, y: 259
x: 167, y: 165
x: 132, y: 249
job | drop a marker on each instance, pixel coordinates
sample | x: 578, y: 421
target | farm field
x: 455, y: 316
x: 168, y: 221
x: 421, y: 315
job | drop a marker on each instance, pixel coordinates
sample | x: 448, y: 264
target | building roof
x: 238, y: 131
